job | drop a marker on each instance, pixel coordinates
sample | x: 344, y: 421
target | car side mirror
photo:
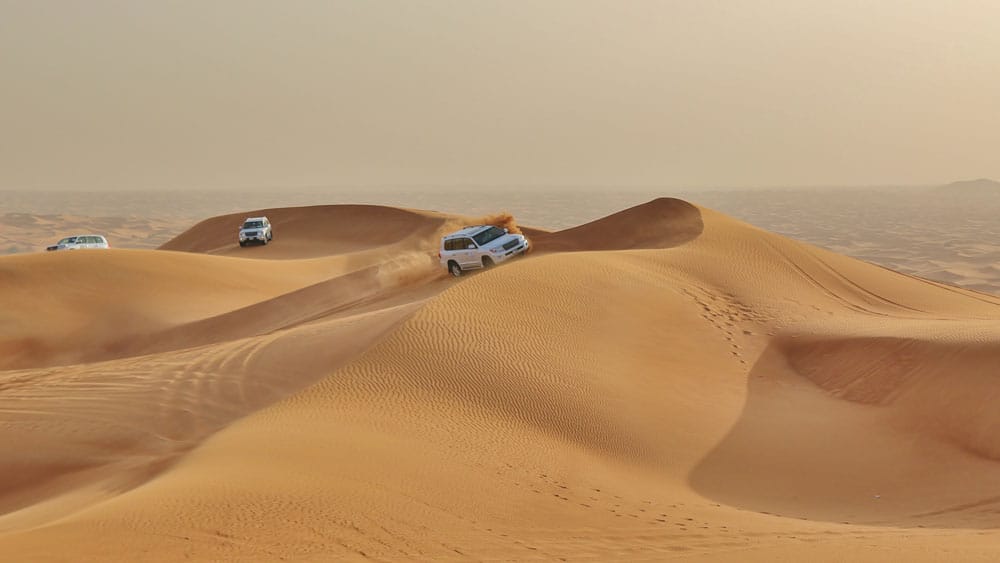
x: 506, y: 230
x: 471, y: 247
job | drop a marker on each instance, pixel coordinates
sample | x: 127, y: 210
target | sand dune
x: 314, y: 231
x: 942, y: 234
x: 925, y: 232
x: 661, y: 223
x: 666, y: 382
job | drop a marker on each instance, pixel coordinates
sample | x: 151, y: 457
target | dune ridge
x: 664, y: 382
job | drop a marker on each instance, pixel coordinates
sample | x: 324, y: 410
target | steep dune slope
x: 661, y: 223
x: 697, y: 388
x: 891, y: 423
x: 59, y: 307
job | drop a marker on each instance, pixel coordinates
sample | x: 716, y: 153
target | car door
x: 468, y: 257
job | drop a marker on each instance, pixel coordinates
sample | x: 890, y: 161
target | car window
x: 464, y: 243
x: 486, y: 236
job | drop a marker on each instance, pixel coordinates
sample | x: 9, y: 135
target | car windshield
x: 253, y: 225
x: 486, y: 236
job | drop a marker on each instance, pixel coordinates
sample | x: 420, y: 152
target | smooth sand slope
x: 666, y: 382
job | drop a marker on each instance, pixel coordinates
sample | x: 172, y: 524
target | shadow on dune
x: 882, y: 431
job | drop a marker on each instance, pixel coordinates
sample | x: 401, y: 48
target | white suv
x: 80, y: 241
x: 255, y: 229
x: 477, y: 247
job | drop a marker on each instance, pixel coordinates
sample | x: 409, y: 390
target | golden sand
x: 666, y: 382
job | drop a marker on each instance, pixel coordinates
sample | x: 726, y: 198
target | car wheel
x: 455, y: 269
x: 487, y: 262
x: 242, y: 243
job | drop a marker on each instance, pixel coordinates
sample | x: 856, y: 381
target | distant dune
x: 984, y: 185
x: 665, y: 382
x: 27, y: 232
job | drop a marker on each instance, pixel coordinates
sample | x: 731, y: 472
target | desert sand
x: 666, y: 382
x: 946, y: 233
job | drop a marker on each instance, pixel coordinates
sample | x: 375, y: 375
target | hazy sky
x: 200, y: 93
